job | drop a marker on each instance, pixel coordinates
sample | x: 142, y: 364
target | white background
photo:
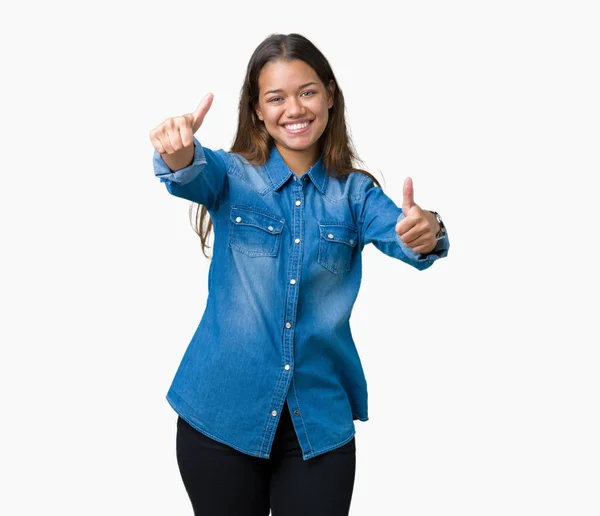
x: 483, y: 370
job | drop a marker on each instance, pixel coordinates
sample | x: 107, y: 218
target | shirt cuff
x: 185, y: 175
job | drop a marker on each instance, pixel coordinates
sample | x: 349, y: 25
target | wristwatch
x: 442, y: 232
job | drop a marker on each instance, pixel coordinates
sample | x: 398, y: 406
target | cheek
x: 324, y: 111
x: 271, y: 115
x: 325, y: 115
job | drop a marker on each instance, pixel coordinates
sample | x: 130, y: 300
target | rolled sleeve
x: 202, y: 182
x: 377, y: 218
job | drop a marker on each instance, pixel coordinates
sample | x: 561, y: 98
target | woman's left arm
x: 407, y: 233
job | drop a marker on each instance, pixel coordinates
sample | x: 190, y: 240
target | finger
x: 175, y: 138
x: 405, y: 225
x: 166, y: 142
x: 425, y: 248
x: 422, y: 249
x: 201, y: 110
x: 186, y: 135
x: 408, y: 192
x: 158, y: 146
x: 420, y: 240
x: 412, y: 235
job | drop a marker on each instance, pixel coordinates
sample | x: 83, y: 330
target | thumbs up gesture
x: 419, y: 227
x: 173, y: 139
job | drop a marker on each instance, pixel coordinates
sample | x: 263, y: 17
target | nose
x: 294, y: 108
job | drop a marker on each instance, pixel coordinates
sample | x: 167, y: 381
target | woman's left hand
x: 419, y: 227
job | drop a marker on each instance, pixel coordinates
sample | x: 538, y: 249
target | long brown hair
x: 252, y: 140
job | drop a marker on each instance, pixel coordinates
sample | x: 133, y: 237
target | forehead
x: 286, y: 75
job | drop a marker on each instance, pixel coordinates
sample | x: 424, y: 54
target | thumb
x: 197, y: 117
x: 408, y: 200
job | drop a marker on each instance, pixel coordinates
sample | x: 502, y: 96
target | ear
x: 330, y: 93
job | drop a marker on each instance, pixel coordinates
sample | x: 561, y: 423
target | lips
x: 297, y: 127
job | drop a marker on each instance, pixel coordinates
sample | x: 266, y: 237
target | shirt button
x: 293, y: 281
x: 298, y: 203
x: 288, y: 325
x: 351, y: 241
x: 297, y: 240
x: 295, y: 178
x: 271, y: 229
x: 287, y: 367
x: 238, y: 219
x: 274, y: 413
x: 330, y: 235
x: 296, y: 412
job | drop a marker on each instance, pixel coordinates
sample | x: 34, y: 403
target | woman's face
x: 294, y: 104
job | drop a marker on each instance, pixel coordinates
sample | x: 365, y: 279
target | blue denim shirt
x: 284, y: 276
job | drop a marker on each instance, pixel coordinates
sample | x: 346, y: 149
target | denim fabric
x: 221, y: 481
x: 284, y: 276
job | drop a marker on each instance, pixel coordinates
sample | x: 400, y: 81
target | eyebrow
x: 279, y: 90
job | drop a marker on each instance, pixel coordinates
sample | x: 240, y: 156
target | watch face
x: 442, y: 232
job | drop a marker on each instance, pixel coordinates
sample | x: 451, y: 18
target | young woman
x: 270, y: 385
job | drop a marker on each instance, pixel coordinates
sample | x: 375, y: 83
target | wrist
x: 434, y: 222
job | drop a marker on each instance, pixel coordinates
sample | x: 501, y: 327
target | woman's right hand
x: 174, y: 138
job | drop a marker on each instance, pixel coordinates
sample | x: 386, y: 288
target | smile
x: 297, y: 128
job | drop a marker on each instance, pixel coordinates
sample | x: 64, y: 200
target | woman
x: 270, y: 385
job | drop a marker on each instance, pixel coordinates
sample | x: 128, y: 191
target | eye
x: 274, y: 99
x: 311, y: 93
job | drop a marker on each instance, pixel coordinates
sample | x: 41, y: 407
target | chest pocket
x: 254, y: 232
x: 337, y: 243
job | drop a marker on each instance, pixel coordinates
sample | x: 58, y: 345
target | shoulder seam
x: 357, y: 197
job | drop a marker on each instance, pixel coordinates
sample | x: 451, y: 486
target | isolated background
x: 483, y: 370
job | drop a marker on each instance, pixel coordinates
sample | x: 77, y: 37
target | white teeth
x: 296, y: 127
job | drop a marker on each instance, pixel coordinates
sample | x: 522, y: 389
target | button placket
x: 294, y: 266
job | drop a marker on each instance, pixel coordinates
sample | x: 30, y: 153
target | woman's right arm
x: 202, y: 181
x: 187, y: 169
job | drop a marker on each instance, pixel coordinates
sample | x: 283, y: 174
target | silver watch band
x: 442, y: 232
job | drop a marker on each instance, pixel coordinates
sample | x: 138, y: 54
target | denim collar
x: 279, y: 172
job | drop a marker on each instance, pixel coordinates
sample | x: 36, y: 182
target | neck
x: 299, y: 162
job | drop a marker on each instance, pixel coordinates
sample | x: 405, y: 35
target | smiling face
x: 294, y: 105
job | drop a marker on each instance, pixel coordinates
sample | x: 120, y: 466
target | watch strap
x: 442, y: 232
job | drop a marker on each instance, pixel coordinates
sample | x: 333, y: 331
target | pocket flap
x: 339, y: 233
x: 242, y: 215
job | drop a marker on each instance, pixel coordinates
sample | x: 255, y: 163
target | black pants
x: 222, y: 481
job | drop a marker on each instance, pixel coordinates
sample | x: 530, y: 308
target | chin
x: 297, y: 146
